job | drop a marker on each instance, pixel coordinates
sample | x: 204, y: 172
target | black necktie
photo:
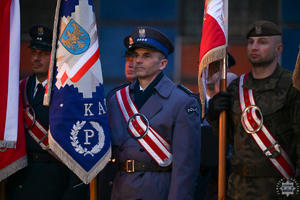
x: 39, y: 88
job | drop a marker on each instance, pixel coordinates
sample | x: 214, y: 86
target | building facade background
x: 181, y: 20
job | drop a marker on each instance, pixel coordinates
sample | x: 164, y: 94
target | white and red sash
x: 263, y: 137
x: 156, y: 146
x: 32, y: 125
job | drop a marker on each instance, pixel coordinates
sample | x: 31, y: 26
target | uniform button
x: 121, y: 173
x: 142, y: 150
x: 110, y: 183
x: 20, y: 186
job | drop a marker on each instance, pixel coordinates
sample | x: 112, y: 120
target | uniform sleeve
x: 293, y: 99
x: 186, y: 151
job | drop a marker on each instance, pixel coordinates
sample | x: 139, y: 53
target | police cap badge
x: 150, y: 38
x: 41, y: 38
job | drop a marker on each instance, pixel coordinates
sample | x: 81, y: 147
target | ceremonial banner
x: 12, y: 137
x: 213, y: 42
x: 79, y: 130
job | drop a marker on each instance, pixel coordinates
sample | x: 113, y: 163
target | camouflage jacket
x: 254, y: 176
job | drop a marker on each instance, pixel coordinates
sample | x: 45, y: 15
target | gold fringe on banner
x: 215, y: 54
x: 296, y: 74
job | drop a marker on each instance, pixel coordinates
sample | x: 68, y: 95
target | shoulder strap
x: 156, y: 146
x: 31, y: 124
x: 261, y: 134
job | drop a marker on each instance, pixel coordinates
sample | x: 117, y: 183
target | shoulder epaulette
x: 185, y: 89
x: 121, y: 86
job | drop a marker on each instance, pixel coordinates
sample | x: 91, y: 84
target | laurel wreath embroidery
x: 75, y: 143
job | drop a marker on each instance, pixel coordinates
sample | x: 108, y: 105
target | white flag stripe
x: 215, y: 9
x: 83, y: 59
x: 11, y: 128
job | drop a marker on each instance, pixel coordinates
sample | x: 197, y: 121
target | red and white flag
x: 213, y: 41
x: 12, y: 137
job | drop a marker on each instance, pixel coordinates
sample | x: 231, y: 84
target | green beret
x: 263, y: 28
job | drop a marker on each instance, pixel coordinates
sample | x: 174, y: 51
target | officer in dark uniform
x: 172, y: 112
x: 45, y: 177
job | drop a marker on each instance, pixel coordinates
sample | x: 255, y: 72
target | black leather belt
x: 134, y: 166
x: 41, y: 157
x: 256, y: 171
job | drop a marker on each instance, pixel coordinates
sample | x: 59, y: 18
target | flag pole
x: 222, y: 117
x: 222, y: 136
x: 2, y: 189
x: 93, y: 189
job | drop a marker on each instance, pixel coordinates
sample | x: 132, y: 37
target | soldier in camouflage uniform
x: 254, y: 176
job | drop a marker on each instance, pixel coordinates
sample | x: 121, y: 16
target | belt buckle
x: 129, y: 166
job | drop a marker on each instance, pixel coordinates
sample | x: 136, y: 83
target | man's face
x: 129, y: 72
x: 261, y: 51
x: 147, y: 64
x: 40, y: 60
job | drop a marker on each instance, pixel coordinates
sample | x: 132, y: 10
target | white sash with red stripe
x: 32, y: 126
x: 156, y: 146
x: 260, y: 133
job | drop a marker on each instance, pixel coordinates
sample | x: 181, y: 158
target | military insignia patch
x: 190, y: 110
x: 74, y: 38
x: 258, y: 30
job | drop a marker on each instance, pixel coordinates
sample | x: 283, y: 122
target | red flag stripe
x: 212, y: 36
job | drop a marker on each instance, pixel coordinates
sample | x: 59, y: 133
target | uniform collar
x: 163, y: 87
x: 270, y: 84
x: 37, y: 82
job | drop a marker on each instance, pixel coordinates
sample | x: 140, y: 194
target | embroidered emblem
x: 287, y: 188
x: 190, y: 110
x: 142, y: 33
x: 75, y: 143
x: 74, y: 38
x: 258, y: 30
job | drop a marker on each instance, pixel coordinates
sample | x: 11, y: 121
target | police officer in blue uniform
x: 45, y: 177
x: 172, y: 111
